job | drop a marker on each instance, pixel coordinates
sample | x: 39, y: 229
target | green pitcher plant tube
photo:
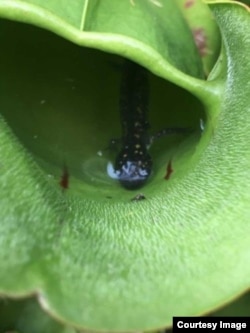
x: 66, y: 110
x: 96, y: 255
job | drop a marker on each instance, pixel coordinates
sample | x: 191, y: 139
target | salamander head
x: 131, y: 173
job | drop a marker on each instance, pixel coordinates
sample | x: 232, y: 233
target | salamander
x: 133, y: 163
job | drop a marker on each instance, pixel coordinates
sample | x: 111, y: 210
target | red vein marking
x: 169, y: 170
x: 64, y: 181
x: 189, y: 3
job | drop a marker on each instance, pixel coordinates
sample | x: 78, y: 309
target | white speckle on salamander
x: 112, y: 173
x: 128, y: 170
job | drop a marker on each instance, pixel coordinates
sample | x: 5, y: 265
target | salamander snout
x: 133, y: 174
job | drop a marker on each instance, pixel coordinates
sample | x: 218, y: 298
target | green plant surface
x: 108, y: 263
x: 204, y: 29
x: 113, y: 26
x: 25, y: 316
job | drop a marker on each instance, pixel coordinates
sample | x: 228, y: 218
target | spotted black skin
x: 133, y: 164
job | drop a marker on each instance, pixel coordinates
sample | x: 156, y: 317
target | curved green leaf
x: 25, y: 316
x: 140, y: 29
x: 204, y: 29
x: 114, y: 264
